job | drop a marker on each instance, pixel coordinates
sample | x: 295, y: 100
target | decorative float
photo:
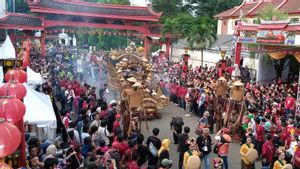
x: 131, y: 73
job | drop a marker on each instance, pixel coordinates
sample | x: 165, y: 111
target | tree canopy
x: 270, y: 11
x: 170, y: 8
x: 211, y: 7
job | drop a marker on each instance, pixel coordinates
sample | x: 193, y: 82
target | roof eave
x: 61, y: 12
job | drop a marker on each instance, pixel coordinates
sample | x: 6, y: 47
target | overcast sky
x: 138, y: 2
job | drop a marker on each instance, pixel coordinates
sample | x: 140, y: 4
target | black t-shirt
x: 182, y: 146
x: 204, y: 144
x: 143, y: 151
x: 155, y: 141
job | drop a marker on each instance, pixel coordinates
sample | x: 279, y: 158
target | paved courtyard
x: 192, y: 121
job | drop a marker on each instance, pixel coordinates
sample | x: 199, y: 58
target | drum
x: 237, y: 91
x: 287, y: 166
x: 251, y: 155
x: 193, y: 162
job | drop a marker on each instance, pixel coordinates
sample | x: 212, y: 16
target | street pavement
x: 164, y: 125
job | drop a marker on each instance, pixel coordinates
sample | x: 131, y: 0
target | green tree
x: 210, y: 7
x: 270, y: 11
x: 202, y: 34
x: 170, y: 8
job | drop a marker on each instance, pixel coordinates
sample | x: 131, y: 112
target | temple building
x: 266, y: 46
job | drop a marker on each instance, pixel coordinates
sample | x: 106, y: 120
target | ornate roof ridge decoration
x: 288, y: 6
x: 21, y: 21
x: 286, y: 21
x: 94, y: 9
x: 265, y: 26
x: 255, y: 7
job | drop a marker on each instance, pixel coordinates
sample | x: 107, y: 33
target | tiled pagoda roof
x: 79, y: 8
x: 253, y: 8
x: 21, y: 21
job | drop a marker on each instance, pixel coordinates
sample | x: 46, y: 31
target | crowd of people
x: 89, y: 127
x: 268, y: 121
x: 90, y: 130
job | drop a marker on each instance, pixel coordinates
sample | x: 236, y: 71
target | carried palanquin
x: 131, y: 73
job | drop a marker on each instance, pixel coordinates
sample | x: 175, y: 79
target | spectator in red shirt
x: 259, y: 135
x: 121, y: 144
x: 116, y: 124
x: 268, y: 150
x: 289, y: 105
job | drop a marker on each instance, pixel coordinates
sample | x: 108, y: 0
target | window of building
x: 294, y: 20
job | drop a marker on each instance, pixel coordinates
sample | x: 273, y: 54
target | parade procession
x: 149, y: 84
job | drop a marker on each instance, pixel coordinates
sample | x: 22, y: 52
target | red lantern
x: 18, y: 74
x: 14, y: 89
x: 280, y: 37
x: 10, y: 138
x: 12, y: 109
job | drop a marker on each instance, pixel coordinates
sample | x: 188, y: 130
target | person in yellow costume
x: 163, y: 152
x: 193, y: 151
x: 243, y: 151
x: 280, y: 162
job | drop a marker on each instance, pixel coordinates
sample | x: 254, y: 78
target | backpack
x: 152, y: 149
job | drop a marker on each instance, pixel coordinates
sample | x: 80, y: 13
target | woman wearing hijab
x: 163, y: 152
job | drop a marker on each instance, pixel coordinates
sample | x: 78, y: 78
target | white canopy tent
x: 7, y: 50
x: 40, y: 112
x: 33, y: 78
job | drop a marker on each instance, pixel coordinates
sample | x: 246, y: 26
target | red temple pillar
x: 146, y: 45
x: 43, y: 44
x: 186, y: 58
x: 168, y: 44
x: 238, y: 50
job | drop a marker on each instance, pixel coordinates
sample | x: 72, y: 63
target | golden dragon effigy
x: 131, y: 73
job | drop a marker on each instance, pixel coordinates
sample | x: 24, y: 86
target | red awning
x: 246, y: 28
x: 272, y: 26
x: 292, y: 28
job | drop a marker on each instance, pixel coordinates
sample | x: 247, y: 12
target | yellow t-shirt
x: 279, y: 165
x: 186, y: 157
x: 244, y: 149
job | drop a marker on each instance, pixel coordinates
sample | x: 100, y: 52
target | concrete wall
x: 266, y: 69
x: 209, y: 58
x: 2, y: 7
x: 219, y: 27
x: 230, y: 26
